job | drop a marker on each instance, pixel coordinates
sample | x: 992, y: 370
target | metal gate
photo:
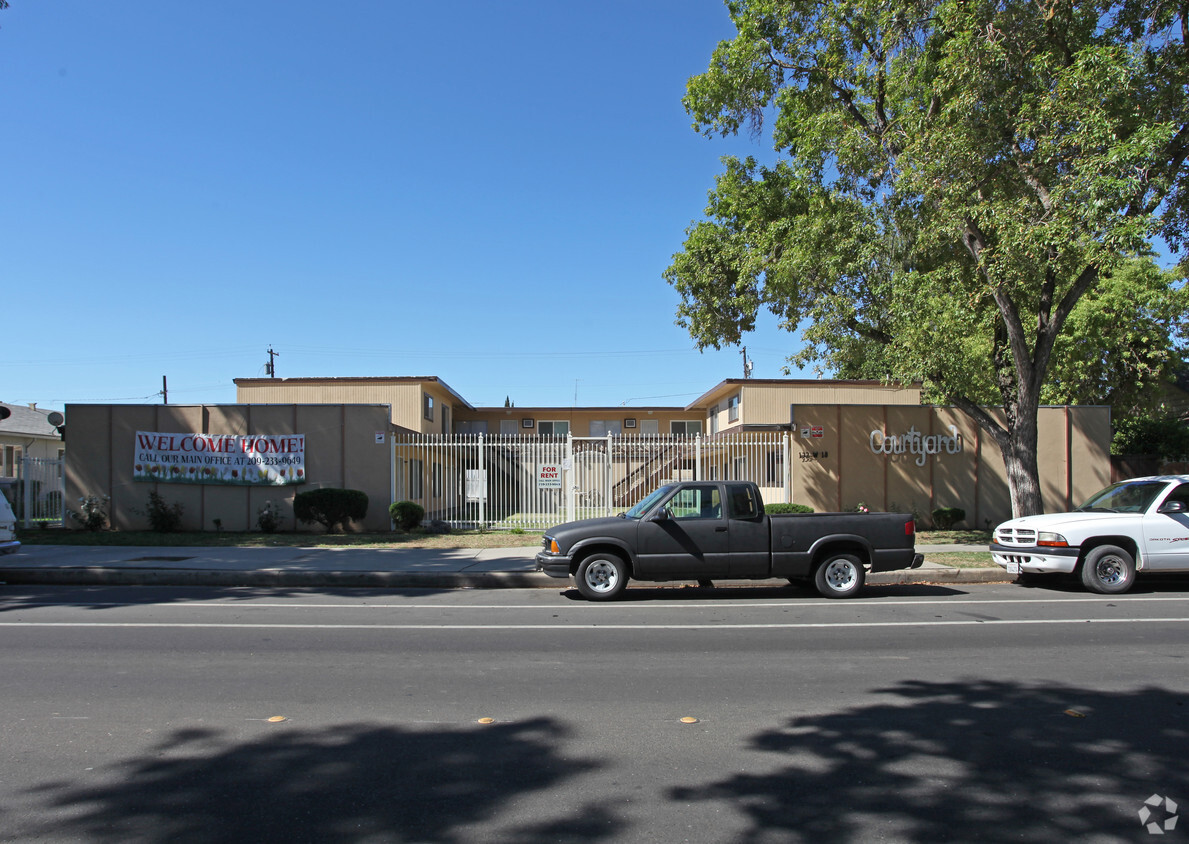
x: 41, y: 496
x: 531, y: 483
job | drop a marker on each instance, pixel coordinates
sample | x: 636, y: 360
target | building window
x: 437, y: 480
x: 733, y: 409
x: 445, y: 419
x: 650, y: 426
x: 685, y: 427
x: 416, y: 481
x: 714, y: 419
x: 12, y: 456
x: 552, y: 428
x: 428, y: 411
x: 508, y: 427
x: 603, y: 427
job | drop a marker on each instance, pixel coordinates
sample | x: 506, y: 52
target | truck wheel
x: 840, y: 576
x: 601, y: 577
x: 1108, y: 570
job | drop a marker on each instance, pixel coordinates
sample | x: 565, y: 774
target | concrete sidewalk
x: 487, y: 568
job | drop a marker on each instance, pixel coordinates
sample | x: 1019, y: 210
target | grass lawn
x: 963, y: 560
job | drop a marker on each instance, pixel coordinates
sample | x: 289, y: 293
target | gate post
x: 608, y: 475
x: 697, y: 457
x: 483, y: 481
x: 788, y: 467
x: 26, y: 489
x: 572, y: 486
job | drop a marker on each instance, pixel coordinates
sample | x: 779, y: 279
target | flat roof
x: 354, y: 379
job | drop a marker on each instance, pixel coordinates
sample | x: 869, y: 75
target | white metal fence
x: 40, y: 492
x: 509, y: 482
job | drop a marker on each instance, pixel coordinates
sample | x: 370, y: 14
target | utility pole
x: 164, y: 390
x: 271, y: 367
x: 747, y: 365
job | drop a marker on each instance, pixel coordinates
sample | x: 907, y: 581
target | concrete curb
x: 284, y: 578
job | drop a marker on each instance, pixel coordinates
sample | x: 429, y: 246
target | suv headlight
x: 1053, y: 540
x: 550, y: 545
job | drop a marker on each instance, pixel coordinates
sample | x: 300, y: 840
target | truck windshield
x: 648, y: 502
x: 1125, y: 497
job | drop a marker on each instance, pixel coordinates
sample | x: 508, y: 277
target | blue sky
x: 486, y: 192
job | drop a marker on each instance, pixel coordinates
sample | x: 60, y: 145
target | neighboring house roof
x: 28, y: 421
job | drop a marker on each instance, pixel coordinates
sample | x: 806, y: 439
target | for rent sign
x: 255, y: 459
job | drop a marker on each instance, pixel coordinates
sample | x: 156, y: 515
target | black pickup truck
x: 709, y: 531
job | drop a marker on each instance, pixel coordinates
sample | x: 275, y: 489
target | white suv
x: 1137, y: 525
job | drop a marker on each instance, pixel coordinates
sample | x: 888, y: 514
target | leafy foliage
x: 163, y: 518
x: 268, y: 517
x: 330, y: 507
x: 953, y: 178
x: 781, y: 507
x: 91, y: 514
x: 1161, y: 433
x: 944, y: 518
x: 406, y: 514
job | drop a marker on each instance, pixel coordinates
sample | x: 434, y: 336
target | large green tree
x: 952, y: 178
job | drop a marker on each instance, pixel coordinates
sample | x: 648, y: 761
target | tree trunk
x: 1017, y: 443
x: 1023, y: 470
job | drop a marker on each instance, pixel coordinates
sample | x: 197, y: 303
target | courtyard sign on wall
x: 914, y: 442
x: 252, y: 459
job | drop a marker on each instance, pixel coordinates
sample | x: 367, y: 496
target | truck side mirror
x: 661, y: 515
x: 1172, y: 507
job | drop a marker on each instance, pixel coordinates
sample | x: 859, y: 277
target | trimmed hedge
x: 777, y: 509
x: 945, y: 518
x: 330, y: 507
x: 406, y: 514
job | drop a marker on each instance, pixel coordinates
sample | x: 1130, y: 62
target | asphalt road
x: 986, y: 712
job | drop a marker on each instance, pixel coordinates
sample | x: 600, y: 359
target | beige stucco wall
x: 341, y: 451
x: 405, y: 395
x: 839, y: 470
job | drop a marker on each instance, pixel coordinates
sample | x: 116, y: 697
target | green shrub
x: 268, y: 517
x: 406, y: 514
x: 944, y: 518
x: 777, y: 509
x: 163, y: 518
x: 330, y: 507
x: 92, y: 517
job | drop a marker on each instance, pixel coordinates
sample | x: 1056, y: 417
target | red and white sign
x: 549, y: 476
x: 252, y: 459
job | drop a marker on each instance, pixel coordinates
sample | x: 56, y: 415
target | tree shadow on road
x: 345, y: 783
x: 984, y: 761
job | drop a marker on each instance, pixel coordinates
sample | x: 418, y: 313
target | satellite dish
x: 55, y: 418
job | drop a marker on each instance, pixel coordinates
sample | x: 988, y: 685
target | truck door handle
x: 720, y: 530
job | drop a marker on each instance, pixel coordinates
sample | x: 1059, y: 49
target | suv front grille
x: 1016, y: 536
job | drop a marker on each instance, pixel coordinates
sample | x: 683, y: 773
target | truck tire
x: 1108, y: 570
x: 839, y: 576
x: 602, y: 576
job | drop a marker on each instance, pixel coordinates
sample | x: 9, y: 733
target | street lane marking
x: 1118, y: 600
x: 767, y: 626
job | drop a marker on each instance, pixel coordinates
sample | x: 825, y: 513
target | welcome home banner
x: 252, y: 459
